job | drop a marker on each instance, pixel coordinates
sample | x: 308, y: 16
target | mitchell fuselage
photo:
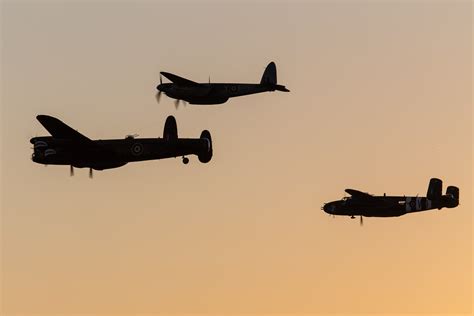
x: 387, y: 206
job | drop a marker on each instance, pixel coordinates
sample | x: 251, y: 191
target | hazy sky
x: 381, y: 101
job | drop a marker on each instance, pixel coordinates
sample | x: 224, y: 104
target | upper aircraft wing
x: 178, y: 80
x: 358, y: 194
x: 58, y: 129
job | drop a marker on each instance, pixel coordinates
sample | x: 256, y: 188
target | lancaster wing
x: 58, y: 129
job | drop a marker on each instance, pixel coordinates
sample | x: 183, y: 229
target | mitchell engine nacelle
x: 435, y: 189
x: 206, y: 155
x: 170, y: 132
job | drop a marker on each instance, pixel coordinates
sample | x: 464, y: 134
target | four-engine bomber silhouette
x: 66, y: 146
x: 216, y: 93
x: 364, y: 204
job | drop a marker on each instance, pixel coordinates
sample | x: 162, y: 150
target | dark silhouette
x: 215, y: 93
x: 66, y: 146
x: 364, y: 204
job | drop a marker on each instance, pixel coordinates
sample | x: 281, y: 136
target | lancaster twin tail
x: 364, y: 204
x: 215, y: 93
x: 66, y: 146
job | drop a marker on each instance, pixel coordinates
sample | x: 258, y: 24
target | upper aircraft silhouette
x: 215, y: 93
x: 66, y: 146
x: 364, y: 204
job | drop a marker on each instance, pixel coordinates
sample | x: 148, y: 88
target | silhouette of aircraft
x: 66, y: 146
x: 364, y: 204
x: 215, y: 93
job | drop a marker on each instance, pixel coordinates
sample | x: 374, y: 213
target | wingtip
x: 40, y: 117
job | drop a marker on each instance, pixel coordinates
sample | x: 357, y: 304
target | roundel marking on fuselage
x: 137, y: 149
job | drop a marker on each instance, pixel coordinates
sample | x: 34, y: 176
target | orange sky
x: 381, y: 101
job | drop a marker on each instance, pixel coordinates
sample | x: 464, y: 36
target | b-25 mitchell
x: 364, y: 204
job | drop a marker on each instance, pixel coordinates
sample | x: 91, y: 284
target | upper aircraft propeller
x: 158, y: 94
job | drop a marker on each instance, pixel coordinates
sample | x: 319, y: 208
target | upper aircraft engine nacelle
x: 170, y: 132
x: 435, y: 189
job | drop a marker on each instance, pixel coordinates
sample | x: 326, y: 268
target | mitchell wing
x: 358, y: 194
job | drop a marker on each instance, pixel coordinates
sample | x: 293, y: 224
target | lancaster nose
x: 329, y: 208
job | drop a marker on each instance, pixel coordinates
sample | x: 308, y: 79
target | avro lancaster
x: 67, y: 146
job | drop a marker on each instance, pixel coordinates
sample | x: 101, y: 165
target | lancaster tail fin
x: 170, y: 132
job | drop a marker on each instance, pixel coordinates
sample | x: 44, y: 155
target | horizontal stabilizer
x: 58, y: 129
x: 279, y: 87
x: 180, y: 81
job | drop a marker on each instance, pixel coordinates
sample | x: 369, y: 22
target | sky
x: 380, y: 101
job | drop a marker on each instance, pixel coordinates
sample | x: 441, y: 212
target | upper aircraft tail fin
x: 269, y: 75
x: 269, y: 78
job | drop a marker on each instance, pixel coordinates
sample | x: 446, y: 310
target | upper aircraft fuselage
x: 213, y: 93
x: 216, y: 93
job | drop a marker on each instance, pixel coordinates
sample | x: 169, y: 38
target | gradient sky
x: 381, y: 100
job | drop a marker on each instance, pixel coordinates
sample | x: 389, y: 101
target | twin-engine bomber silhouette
x: 215, y: 93
x: 66, y: 146
x: 364, y: 204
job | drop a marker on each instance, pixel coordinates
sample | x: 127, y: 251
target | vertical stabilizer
x: 170, y: 132
x: 269, y: 75
x: 435, y: 189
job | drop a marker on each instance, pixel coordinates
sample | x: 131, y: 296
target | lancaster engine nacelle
x: 435, y: 189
